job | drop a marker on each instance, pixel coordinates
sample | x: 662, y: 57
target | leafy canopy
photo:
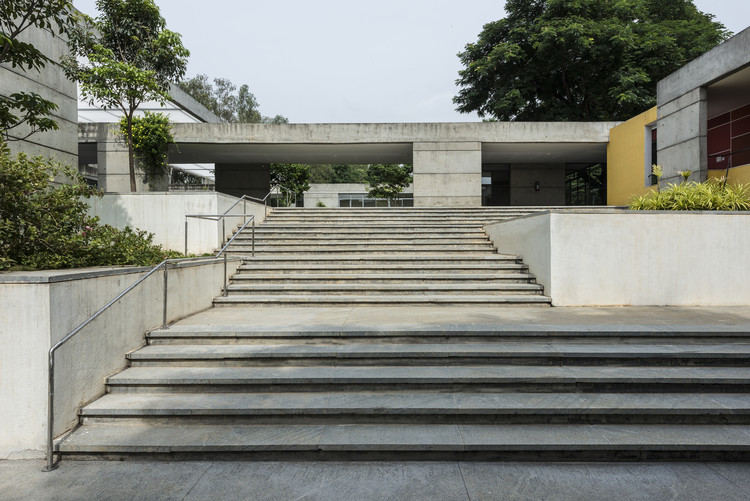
x: 292, y: 179
x: 48, y: 227
x: 152, y: 136
x: 559, y: 60
x: 124, y: 57
x: 29, y: 110
x: 388, y: 180
x: 220, y: 98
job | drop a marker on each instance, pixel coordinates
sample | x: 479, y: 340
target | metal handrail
x: 51, y: 465
x: 212, y: 217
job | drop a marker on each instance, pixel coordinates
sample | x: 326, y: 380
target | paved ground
x: 280, y: 318
x: 24, y: 480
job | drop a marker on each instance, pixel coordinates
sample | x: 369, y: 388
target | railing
x: 165, y: 265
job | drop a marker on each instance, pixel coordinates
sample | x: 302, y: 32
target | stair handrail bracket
x: 164, y: 265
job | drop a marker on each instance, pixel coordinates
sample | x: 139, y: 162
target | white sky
x: 342, y: 61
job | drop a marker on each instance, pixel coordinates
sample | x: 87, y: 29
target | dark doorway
x: 495, y: 184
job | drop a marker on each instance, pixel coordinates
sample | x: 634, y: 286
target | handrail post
x: 225, y: 275
x: 186, y: 234
x: 50, y: 412
x: 253, y: 237
x: 223, y: 230
x: 164, y: 316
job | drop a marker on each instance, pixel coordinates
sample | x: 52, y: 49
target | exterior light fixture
x: 537, y: 186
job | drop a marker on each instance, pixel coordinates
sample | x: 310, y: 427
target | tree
x: 559, y: 60
x: 388, y: 180
x: 292, y: 179
x: 16, y: 18
x: 151, y: 137
x: 130, y: 57
x: 221, y: 99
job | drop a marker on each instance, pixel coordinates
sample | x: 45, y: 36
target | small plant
x: 320, y: 204
x: 657, y: 173
x: 685, y: 174
x: 714, y: 194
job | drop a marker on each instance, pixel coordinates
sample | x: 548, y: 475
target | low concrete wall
x: 634, y: 258
x: 163, y: 213
x: 40, y: 308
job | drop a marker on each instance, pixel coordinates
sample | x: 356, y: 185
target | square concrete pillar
x: 448, y: 174
x: 681, y: 136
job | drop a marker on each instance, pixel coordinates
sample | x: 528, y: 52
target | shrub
x: 152, y: 135
x: 43, y: 226
x: 711, y: 195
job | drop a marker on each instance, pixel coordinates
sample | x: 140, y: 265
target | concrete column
x: 243, y: 179
x: 681, y: 136
x: 448, y: 174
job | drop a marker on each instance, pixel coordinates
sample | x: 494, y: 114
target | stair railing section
x: 274, y: 189
x: 219, y: 217
x: 51, y: 465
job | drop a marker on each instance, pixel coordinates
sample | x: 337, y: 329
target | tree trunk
x: 131, y: 156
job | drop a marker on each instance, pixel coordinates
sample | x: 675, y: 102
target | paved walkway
x: 361, y: 481
x: 289, y: 318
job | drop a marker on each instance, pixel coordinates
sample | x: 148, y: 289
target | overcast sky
x: 338, y: 61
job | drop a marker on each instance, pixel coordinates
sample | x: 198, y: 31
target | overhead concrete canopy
x: 729, y: 93
x: 387, y: 142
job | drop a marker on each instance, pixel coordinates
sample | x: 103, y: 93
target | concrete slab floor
x: 361, y: 481
x: 280, y: 318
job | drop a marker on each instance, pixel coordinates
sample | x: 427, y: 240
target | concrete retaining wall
x: 634, y: 258
x: 164, y: 215
x: 40, y: 308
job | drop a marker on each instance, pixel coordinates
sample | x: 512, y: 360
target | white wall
x: 163, y: 213
x: 40, y: 308
x: 634, y: 258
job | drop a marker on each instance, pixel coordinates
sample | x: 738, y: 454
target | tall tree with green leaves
x: 29, y: 110
x: 124, y: 57
x: 220, y: 97
x: 558, y: 60
x: 388, y: 180
x: 293, y: 180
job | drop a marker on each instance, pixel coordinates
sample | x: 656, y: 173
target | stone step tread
x: 428, y: 374
x: 400, y: 288
x: 611, y: 333
x: 442, y: 350
x: 382, y: 276
x: 395, y: 232
x: 343, y: 240
x: 130, y: 438
x: 217, y: 404
x: 404, y: 269
x: 474, y: 259
x: 347, y: 247
x: 510, y: 299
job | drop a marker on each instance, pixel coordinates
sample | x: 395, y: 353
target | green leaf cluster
x: 220, y: 98
x: 338, y: 173
x: 568, y: 60
x: 29, y: 109
x: 152, y: 136
x: 710, y: 195
x: 293, y: 179
x: 43, y: 226
x: 124, y: 57
x: 388, y: 180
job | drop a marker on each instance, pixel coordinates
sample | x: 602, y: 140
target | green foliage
x: 388, y: 180
x: 47, y: 227
x: 320, y: 204
x: 221, y: 99
x: 338, y: 173
x: 152, y: 135
x: 710, y: 195
x: 294, y: 179
x: 29, y: 109
x: 560, y: 60
x: 124, y: 57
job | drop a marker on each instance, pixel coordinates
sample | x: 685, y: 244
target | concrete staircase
x: 462, y: 393
x: 379, y: 256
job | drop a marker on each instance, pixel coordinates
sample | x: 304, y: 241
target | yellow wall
x: 626, y: 168
x: 740, y: 174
